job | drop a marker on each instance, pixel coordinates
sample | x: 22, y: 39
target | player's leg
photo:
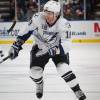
x: 62, y: 63
x: 36, y: 74
x: 37, y: 65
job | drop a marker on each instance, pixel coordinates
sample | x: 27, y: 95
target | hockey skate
x: 80, y: 95
x: 39, y: 90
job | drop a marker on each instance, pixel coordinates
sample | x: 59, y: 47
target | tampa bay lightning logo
x: 50, y: 37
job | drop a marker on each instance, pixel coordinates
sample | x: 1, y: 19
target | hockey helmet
x: 52, y: 6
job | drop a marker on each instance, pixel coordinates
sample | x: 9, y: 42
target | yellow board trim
x: 86, y: 41
x: 12, y: 41
x: 73, y: 41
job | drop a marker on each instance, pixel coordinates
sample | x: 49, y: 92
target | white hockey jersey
x: 46, y: 36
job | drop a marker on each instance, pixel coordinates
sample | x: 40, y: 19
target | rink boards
x: 79, y: 31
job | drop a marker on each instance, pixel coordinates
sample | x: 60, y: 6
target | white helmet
x: 52, y: 6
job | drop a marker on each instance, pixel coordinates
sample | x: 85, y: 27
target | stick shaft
x: 4, y: 59
x: 11, y: 28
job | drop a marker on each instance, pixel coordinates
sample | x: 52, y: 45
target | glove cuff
x: 17, y: 47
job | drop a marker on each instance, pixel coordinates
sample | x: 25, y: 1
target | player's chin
x: 50, y: 21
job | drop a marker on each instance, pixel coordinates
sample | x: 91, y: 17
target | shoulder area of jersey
x: 37, y: 15
x: 63, y: 23
x: 36, y: 19
x: 62, y: 20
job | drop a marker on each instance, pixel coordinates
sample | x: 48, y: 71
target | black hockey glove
x: 15, y: 48
x: 13, y: 52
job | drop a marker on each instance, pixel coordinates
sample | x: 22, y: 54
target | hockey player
x: 48, y: 28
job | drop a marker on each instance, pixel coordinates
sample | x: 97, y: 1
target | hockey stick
x: 4, y: 59
x: 11, y: 28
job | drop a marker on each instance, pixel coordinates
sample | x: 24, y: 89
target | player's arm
x: 23, y: 35
x: 64, y: 29
x: 65, y: 35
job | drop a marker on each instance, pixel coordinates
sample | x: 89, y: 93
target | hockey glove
x: 13, y: 52
x: 15, y: 48
x: 54, y: 51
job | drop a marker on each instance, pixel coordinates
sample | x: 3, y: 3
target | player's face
x: 50, y: 17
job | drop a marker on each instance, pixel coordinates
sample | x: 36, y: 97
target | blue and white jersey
x: 45, y: 36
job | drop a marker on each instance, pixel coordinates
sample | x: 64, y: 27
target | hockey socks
x: 39, y: 87
x: 39, y: 90
x: 70, y: 78
x: 78, y: 92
